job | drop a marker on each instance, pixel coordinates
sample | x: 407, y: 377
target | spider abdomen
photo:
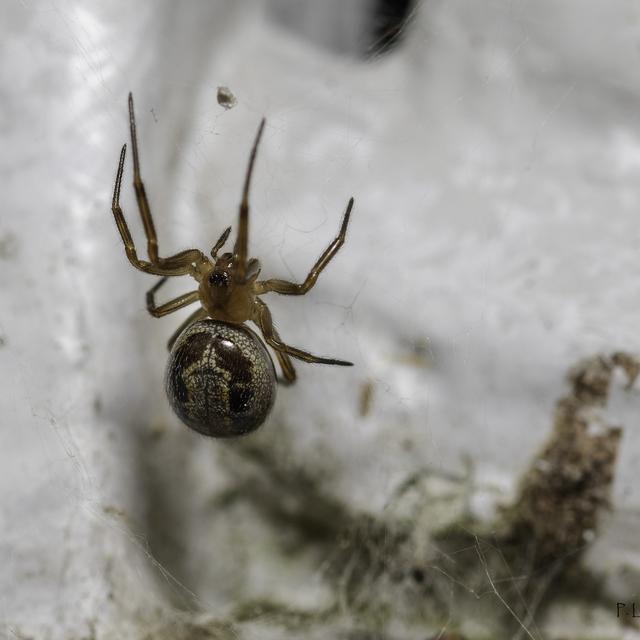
x: 220, y: 379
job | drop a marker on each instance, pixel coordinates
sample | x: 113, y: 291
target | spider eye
x: 219, y: 279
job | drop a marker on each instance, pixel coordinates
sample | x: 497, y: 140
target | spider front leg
x: 181, y: 263
x: 262, y: 317
x: 293, y: 289
x: 184, y: 257
x: 178, y: 265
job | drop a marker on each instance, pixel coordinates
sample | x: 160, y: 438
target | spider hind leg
x: 262, y: 317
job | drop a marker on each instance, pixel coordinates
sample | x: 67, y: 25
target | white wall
x: 495, y: 162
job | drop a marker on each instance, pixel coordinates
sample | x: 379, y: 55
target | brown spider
x: 220, y: 379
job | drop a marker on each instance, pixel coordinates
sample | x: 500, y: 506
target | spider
x: 220, y: 379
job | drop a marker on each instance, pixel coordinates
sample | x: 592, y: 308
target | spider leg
x: 177, y: 265
x: 198, y: 314
x: 183, y: 258
x: 293, y: 289
x: 171, y: 306
x: 288, y: 370
x: 262, y: 317
x: 127, y: 239
x: 240, y: 249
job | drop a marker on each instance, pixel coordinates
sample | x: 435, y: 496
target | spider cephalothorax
x: 220, y: 379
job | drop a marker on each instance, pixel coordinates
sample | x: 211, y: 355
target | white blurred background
x: 493, y: 150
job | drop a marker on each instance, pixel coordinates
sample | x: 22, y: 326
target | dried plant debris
x: 279, y: 615
x: 181, y: 628
x: 226, y: 98
x: 8, y: 246
x: 423, y: 562
x: 366, y: 398
x: 534, y: 554
x: 378, y: 565
x: 569, y: 483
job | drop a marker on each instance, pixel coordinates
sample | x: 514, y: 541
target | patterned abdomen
x: 220, y: 379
